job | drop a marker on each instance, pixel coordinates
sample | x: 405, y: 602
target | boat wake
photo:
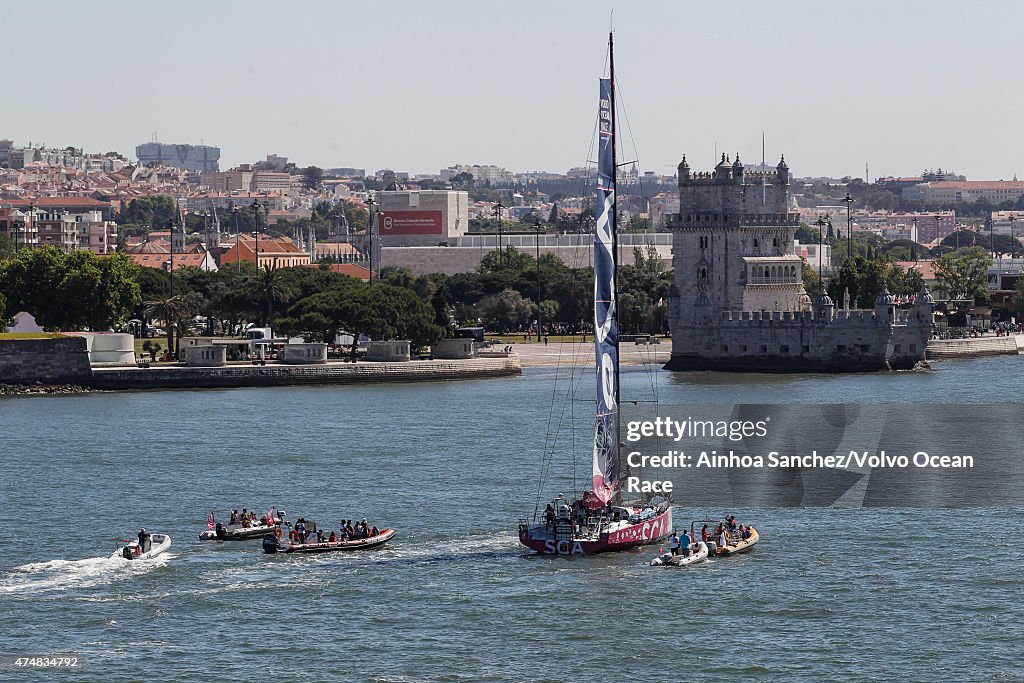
x: 452, y: 549
x: 62, y: 575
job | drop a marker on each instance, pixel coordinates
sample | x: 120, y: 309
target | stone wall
x: 973, y: 348
x: 64, y: 360
x: 853, y: 341
x: 453, y: 260
x: 281, y: 375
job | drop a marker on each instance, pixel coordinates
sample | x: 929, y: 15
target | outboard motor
x: 270, y: 545
x: 222, y: 532
x: 127, y: 552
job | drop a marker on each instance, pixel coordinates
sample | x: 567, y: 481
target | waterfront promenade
x: 975, y: 347
x: 579, y: 353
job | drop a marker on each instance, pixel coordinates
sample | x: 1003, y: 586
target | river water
x: 829, y: 594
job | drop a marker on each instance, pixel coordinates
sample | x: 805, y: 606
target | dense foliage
x: 71, y: 291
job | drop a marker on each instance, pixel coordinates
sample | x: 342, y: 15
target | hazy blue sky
x: 417, y: 86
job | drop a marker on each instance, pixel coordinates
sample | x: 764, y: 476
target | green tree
x: 506, y: 311
x: 169, y: 309
x: 312, y: 177
x: 71, y: 291
x: 156, y: 211
x: 7, y: 248
x: 963, y: 274
x: 270, y: 285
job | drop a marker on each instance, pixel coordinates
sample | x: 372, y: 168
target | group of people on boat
x: 307, y: 532
x: 588, y: 510
x: 248, y: 519
x: 726, y: 533
x: 683, y: 545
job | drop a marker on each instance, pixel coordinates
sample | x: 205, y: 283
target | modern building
x: 422, y: 217
x: 948, y: 192
x: 189, y: 157
x: 87, y: 231
x: 1008, y: 223
x: 737, y: 301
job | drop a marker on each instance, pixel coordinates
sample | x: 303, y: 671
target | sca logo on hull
x: 564, y: 547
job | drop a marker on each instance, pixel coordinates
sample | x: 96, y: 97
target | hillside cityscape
x: 464, y: 240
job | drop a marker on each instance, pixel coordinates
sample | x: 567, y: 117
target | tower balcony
x: 704, y: 220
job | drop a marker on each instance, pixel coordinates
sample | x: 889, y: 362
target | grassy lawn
x: 30, y: 335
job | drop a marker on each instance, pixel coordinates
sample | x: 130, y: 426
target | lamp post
x: 538, y: 229
x: 256, y: 225
x: 498, y: 206
x: 370, y: 202
x: 849, y: 225
x: 913, y: 222
x: 238, y: 241
x: 1013, y: 241
x: 821, y: 223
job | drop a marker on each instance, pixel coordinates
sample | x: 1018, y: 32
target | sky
x: 419, y: 86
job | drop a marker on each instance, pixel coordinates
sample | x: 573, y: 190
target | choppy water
x: 864, y: 594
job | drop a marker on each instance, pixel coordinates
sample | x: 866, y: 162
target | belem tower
x: 738, y: 302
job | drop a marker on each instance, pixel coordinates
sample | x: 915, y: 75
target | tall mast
x: 615, y: 232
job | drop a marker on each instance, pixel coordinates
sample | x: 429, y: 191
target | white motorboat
x: 698, y: 553
x: 158, y: 544
x: 244, y: 531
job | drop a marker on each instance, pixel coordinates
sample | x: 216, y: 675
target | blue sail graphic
x: 606, y: 332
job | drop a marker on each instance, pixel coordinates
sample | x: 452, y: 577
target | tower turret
x: 737, y: 168
x: 723, y: 171
x: 824, y: 307
x: 783, y: 171
x: 683, y: 171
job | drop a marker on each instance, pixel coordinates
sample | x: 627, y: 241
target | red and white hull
x: 623, y: 536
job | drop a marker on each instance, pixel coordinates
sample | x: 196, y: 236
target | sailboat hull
x: 540, y: 539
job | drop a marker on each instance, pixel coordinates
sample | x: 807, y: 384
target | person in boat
x: 300, y: 529
x: 144, y: 542
x: 319, y: 536
x: 704, y: 535
x: 234, y: 518
x: 723, y: 539
x: 685, y: 543
x: 333, y: 538
x: 549, y: 517
x: 374, y: 531
x: 673, y: 544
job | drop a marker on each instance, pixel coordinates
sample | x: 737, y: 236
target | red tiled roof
x: 351, y: 269
x: 158, y: 260
x: 926, y: 268
x: 44, y: 202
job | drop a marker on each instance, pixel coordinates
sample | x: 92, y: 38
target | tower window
x: 756, y: 243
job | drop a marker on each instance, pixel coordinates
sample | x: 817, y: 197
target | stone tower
x: 733, y: 244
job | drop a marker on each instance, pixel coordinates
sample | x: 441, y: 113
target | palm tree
x: 169, y: 309
x: 271, y: 289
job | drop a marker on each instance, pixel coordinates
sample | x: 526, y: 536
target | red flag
x: 209, y: 521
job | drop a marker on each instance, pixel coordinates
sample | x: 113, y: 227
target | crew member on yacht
x: 673, y: 543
